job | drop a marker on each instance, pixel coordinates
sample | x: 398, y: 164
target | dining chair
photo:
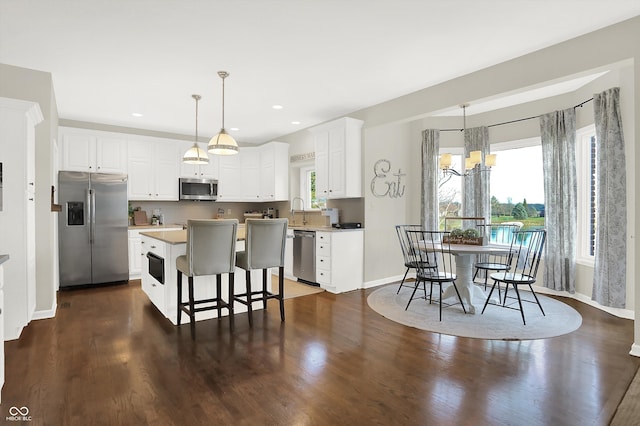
x: 264, y: 248
x: 501, y: 234
x: 210, y: 250
x: 433, y: 263
x: 527, y: 247
x: 409, y: 263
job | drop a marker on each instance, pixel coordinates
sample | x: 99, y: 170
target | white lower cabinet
x: 339, y: 260
x: 136, y: 254
x: 165, y: 295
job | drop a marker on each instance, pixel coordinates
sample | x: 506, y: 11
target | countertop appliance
x: 304, y: 256
x: 198, y: 189
x: 92, y: 228
x: 333, y: 214
x: 347, y: 225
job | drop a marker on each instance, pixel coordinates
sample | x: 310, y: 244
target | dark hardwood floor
x: 109, y: 357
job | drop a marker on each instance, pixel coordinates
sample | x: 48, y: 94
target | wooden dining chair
x: 527, y: 247
x: 433, y: 263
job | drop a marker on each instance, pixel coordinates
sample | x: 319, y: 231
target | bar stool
x: 211, y: 250
x: 264, y: 248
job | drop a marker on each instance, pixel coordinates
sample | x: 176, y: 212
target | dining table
x: 464, y: 256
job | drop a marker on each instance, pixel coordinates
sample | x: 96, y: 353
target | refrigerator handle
x: 92, y: 215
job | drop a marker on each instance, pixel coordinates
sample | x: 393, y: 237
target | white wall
x: 37, y: 86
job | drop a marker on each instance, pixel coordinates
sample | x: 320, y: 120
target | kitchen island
x: 160, y: 281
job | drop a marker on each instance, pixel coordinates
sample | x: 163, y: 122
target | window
x: 450, y: 188
x: 587, y: 193
x: 308, y: 188
x: 517, y: 183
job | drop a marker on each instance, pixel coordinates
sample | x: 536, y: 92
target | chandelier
x: 223, y: 143
x: 472, y: 164
x: 195, y: 154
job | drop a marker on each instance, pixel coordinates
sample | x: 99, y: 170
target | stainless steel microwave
x: 198, y: 189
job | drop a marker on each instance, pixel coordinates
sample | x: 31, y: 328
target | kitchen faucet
x: 293, y: 214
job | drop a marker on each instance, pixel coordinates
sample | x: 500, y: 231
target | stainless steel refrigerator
x: 92, y: 228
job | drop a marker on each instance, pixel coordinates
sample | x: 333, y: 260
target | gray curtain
x: 477, y: 200
x: 429, y: 200
x: 558, y: 133
x: 610, y: 276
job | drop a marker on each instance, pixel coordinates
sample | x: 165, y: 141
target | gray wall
x: 396, y: 125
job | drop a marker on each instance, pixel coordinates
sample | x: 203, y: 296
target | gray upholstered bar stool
x: 211, y: 250
x: 264, y: 248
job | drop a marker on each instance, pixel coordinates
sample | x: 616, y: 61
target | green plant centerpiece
x: 469, y: 236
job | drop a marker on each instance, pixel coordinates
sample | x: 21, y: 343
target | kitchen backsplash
x: 351, y: 210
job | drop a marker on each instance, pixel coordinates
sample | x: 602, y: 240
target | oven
x: 156, y: 267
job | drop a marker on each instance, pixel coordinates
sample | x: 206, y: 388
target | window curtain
x: 429, y: 199
x: 558, y: 134
x: 476, y: 200
x: 610, y: 275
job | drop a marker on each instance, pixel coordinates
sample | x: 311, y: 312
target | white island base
x: 171, y: 244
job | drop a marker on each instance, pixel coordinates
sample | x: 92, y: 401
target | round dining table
x: 464, y: 256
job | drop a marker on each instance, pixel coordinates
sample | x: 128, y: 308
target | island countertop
x: 180, y: 237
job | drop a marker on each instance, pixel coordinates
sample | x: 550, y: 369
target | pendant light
x: 222, y: 143
x: 195, y: 154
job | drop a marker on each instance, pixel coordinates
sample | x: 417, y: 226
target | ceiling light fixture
x: 277, y: 107
x: 472, y: 164
x: 223, y: 143
x: 195, y: 154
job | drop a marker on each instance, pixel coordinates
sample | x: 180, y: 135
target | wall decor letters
x: 382, y: 186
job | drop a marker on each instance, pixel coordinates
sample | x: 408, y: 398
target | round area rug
x: 497, y: 322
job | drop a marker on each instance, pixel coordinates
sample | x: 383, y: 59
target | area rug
x: 294, y: 289
x: 497, y: 323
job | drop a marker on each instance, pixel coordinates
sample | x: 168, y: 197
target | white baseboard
x: 635, y: 350
x: 620, y: 313
x: 47, y: 313
x: 387, y: 280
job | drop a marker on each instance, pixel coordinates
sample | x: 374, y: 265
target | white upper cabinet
x: 274, y: 171
x: 338, y: 150
x: 250, y: 179
x: 92, y: 151
x: 229, y: 183
x: 153, y: 169
x: 255, y: 174
x: 197, y: 171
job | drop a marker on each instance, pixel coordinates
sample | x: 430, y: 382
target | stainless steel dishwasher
x: 304, y: 256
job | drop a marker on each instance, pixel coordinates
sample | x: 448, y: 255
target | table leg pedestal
x: 468, y: 291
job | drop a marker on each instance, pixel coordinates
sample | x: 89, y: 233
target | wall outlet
x: 229, y: 212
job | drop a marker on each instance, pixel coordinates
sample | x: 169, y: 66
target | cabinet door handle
x: 31, y: 183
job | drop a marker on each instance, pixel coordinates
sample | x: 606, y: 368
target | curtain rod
x: 580, y: 105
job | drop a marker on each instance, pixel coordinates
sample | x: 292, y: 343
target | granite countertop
x: 3, y: 258
x: 322, y: 228
x: 180, y: 237
x: 166, y: 225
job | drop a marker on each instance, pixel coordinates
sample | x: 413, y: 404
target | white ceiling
x: 319, y: 59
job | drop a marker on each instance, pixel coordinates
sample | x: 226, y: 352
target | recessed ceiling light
x: 136, y: 114
x: 277, y: 107
x: 234, y: 129
x: 295, y: 122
